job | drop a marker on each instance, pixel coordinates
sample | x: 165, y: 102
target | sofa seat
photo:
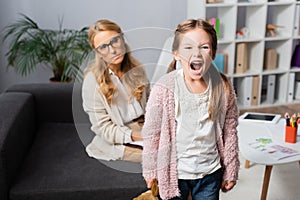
x: 43, y: 134
x: 57, y: 167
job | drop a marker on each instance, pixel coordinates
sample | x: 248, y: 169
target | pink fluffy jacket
x: 159, y: 134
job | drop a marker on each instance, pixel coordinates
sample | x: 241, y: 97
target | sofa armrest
x: 17, y: 129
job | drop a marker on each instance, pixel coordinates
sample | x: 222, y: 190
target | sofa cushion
x: 57, y: 167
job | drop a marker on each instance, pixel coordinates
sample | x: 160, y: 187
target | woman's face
x: 194, y: 53
x: 110, y: 46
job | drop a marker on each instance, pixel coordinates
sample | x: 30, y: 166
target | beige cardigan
x: 107, y: 124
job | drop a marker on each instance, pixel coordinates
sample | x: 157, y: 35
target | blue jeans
x: 206, y: 188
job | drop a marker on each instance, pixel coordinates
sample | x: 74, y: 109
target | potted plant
x: 63, y: 50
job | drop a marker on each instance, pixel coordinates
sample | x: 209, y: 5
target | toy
x: 243, y: 33
x: 271, y: 29
x: 150, y: 194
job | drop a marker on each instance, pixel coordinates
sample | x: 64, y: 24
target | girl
x: 190, y: 136
x: 114, y: 95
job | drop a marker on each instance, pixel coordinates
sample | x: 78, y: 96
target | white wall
x: 136, y: 17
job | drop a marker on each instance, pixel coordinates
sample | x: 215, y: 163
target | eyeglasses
x: 115, y: 42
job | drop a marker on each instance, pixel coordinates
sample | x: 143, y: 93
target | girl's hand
x: 149, y: 182
x: 226, y: 186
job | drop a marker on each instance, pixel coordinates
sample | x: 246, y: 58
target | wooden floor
x: 282, y: 109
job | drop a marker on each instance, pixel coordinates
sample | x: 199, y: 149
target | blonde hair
x: 134, y: 74
x: 217, y: 78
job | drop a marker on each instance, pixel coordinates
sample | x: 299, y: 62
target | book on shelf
x: 255, y: 90
x: 297, y: 87
x: 221, y: 61
x: 297, y: 90
x: 241, y: 58
x: 291, y: 86
x: 215, y: 22
x: 295, y: 62
x: 268, y: 89
x: 297, y: 21
x: 214, y: 1
x: 244, y: 90
x: 270, y: 59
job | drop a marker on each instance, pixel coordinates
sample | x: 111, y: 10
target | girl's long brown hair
x: 134, y: 74
x: 217, y: 78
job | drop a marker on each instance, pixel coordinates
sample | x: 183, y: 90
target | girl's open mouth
x: 196, y: 65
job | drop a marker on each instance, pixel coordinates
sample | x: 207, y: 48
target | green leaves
x: 31, y: 47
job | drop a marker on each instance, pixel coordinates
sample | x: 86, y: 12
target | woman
x: 114, y: 95
x: 190, y: 135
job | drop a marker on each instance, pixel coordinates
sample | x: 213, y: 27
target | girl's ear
x: 176, y: 55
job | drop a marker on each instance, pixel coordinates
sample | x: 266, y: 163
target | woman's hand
x: 226, y: 186
x: 136, y: 136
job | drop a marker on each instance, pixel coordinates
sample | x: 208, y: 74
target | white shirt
x: 197, y: 152
x: 129, y: 109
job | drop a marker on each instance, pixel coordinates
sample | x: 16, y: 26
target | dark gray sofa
x: 42, y: 149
